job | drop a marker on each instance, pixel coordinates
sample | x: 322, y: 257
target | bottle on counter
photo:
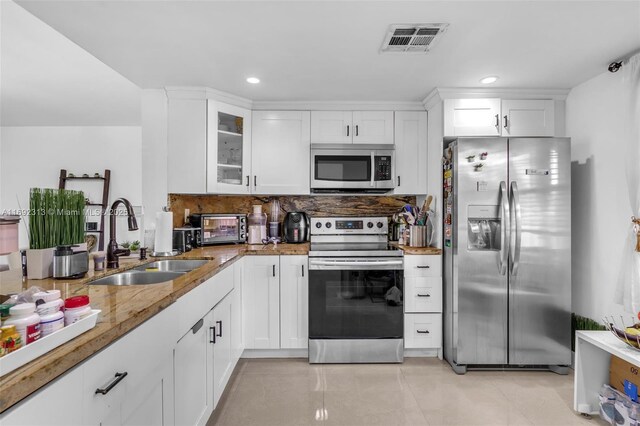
x: 4, y: 312
x: 257, y: 225
x: 26, y: 320
x: 76, y: 308
x: 10, y: 339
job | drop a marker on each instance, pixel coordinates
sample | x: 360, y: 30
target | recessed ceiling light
x: 489, y: 80
x: 253, y: 80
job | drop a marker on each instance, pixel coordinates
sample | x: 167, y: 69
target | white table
x: 593, y: 355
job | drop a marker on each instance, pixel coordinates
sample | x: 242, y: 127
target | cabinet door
x: 294, y: 302
x: 373, y: 127
x: 422, y: 331
x: 55, y: 404
x: 228, y: 149
x: 237, y: 345
x: 411, y: 152
x: 472, y: 117
x: 280, y: 152
x: 221, y: 330
x: 528, y: 117
x: 193, y: 373
x: 261, y: 302
x: 187, y: 146
x: 331, y: 126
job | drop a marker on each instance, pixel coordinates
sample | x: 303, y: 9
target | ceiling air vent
x: 412, y: 37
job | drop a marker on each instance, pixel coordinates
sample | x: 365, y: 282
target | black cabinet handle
x: 303, y: 270
x: 356, y: 130
x: 197, y: 326
x: 117, y: 379
x: 255, y: 180
x: 423, y: 266
x: 423, y: 331
x: 497, y: 120
x: 219, y: 328
x: 274, y: 270
x: 424, y: 295
x: 398, y: 180
x: 247, y: 180
x: 506, y: 122
x: 347, y: 130
x: 213, y: 335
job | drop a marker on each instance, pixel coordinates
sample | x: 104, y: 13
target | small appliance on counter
x: 219, y: 228
x: 295, y: 228
x: 257, y: 226
x: 182, y: 239
x: 68, y: 263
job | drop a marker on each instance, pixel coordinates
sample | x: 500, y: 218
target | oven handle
x: 341, y: 264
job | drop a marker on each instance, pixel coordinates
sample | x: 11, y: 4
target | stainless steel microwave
x: 220, y: 228
x: 352, y: 168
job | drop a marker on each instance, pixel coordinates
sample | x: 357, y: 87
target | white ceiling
x: 47, y: 80
x: 324, y: 50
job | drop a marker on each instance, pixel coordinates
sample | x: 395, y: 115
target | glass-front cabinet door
x: 228, y: 149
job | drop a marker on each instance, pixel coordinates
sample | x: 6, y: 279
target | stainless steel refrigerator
x: 507, y: 253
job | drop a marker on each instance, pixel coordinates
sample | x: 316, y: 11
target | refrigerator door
x: 540, y: 251
x: 479, y: 291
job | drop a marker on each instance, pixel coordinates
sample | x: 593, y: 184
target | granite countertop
x: 417, y: 250
x: 123, y: 308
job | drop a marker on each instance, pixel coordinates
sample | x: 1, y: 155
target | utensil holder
x: 418, y: 236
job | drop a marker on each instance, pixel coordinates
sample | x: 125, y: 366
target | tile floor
x: 422, y: 391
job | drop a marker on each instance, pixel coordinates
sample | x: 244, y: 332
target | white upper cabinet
x: 373, y: 127
x: 331, y: 126
x: 187, y: 146
x: 411, y: 152
x: 294, y: 302
x: 280, y: 152
x: 528, y: 118
x: 364, y: 127
x: 228, y: 149
x: 472, y: 117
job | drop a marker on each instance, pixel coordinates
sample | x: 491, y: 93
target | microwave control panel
x: 383, y: 167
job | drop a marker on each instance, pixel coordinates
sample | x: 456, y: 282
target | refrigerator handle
x: 505, y: 229
x: 516, y: 229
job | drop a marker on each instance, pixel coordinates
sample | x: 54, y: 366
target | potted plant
x: 56, y: 218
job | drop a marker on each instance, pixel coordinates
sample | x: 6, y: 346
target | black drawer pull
x: 424, y: 295
x: 219, y: 328
x: 423, y: 331
x: 118, y: 378
x: 213, y: 335
x: 423, y: 266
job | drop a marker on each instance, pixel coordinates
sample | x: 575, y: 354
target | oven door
x: 355, y: 298
x: 220, y: 229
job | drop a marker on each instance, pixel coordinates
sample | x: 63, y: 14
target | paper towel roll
x: 164, y: 232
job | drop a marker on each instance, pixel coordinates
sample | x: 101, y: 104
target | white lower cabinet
x: 56, y: 404
x: 261, y: 302
x: 221, y: 331
x: 423, y: 302
x: 294, y: 302
x: 193, y: 370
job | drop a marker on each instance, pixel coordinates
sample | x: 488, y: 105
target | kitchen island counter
x: 123, y: 308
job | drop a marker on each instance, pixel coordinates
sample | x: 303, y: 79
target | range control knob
x: 370, y: 225
x: 328, y: 224
x: 379, y: 225
x: 318, y: 225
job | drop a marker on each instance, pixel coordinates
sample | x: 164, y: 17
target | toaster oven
x: 220, y: 228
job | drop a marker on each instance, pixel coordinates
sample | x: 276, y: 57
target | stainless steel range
x: 355, y: 292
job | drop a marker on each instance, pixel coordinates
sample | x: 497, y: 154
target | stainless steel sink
x: 137, y: 278
x: 173, y: 265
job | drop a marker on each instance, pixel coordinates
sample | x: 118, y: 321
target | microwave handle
x: 373, y: 168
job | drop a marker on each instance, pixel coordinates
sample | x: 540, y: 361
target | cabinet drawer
x: 422, y: 266
x: 423, y: 294
x: 139, y: 353
x: 422, y: 331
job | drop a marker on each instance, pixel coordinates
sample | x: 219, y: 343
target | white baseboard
x: 275, y: 353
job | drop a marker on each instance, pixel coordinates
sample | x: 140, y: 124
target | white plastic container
x: 76, y: 308
x: 26, y: 320
x: 51, y: 323
x: 49, y: 308
x: 47, y: 296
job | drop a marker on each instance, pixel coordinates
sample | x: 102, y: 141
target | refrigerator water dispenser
x: 483, y: 228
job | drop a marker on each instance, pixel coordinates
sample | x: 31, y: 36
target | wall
x: 154, y: 153
x: 33, y: 156
x: 596, y: 112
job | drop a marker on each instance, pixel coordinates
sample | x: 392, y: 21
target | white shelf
x: 225, y: 132
x: 606, y: 341
x: 230, y: 166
